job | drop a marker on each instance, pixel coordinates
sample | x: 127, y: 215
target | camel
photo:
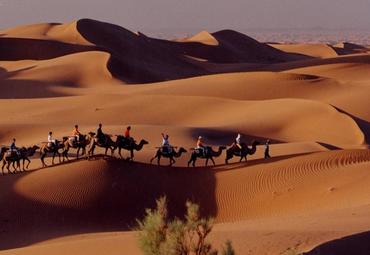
x: 3, y: 150
x: 171, y: 156
x: 108, y: 143
x: 123, y: 143
x: 23, y: 154
x: 45, y: 149
x: 242, y: 153
x: 209, y: 155
x: 84, y: 141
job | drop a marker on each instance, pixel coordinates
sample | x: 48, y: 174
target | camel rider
x: 76, y: 134
x: 13, y: 148
x: 128, y: 137
x: 200, y: 145
x: 51, y: 141
x: 100, y: 136
x: 238, y: 141
x: 166, y: 147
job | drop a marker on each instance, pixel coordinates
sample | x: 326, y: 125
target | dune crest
x: 203, y: 37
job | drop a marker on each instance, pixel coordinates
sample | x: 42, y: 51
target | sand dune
x: 66, y: 33
x: 311, y: 101
x: 202, y: 37
x: 35, y: 79
x: 103, y: 193
x: 313, y: 50
x: 290, y: 120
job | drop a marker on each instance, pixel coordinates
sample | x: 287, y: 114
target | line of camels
x: 89, y: 141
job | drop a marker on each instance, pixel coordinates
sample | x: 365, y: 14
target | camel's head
x: 183, y: 150
x: 35, y: 147
x: 222, y: 148
x: 144, y: 142
x: 91, y: 134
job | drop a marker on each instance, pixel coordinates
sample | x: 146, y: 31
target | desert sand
x: 311, y: 101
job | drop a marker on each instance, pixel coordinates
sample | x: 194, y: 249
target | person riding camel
x: 13, y: 148
x: 76, y: 134
x: 100, y: 136
x: 51, y: 141
x: 238, y: 141
x: 128, y: 137
x: 200, y: 145
x: 166, y: 147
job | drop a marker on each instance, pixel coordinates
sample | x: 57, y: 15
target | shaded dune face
x: 95, y: 196
x: 136, y: 58
x: 12, y: 49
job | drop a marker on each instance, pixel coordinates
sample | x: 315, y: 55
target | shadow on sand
x: 358, y: 244
x: 129, y: 188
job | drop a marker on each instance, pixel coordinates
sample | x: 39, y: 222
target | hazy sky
x: 155, y: 15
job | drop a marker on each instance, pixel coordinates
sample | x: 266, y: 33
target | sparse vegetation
x: 228, y: 249
x: 161, y: 236
x: 291, y: 251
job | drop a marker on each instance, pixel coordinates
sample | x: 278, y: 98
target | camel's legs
x: 65, y: 155
x: 213, y: 161
x: 78, y: 152
x: 172, y: 161
x: 42, y: 159
x: 8, y: 167
x: 83, y: 151
x: 153, y: 158
x: 29, y: 162
x: 52, y: 161
x: 14, y: 167
x: 2, y: 168
x: 132, y: 154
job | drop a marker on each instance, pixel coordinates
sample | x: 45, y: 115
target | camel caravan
x: 85, y: 145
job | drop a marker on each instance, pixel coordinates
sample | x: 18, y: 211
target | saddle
x: 126, y: 141
x: 166, y: 150
x: 72, y: 140
x: 11, y: 154
x: 202, y: 151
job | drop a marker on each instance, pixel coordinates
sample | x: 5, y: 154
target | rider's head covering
x: 13, y: 139
x: 239, y: 135
x: 100, y: 125
x: 199, y: 137
x: 76, y: 126
x: 166, y: 136
x: 129, y: 127
x: 50, y: 133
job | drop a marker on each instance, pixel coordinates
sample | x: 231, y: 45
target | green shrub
x: 160, y: 236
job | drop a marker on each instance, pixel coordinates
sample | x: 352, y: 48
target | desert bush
x: 161, y: 236
x: 228, y: 249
